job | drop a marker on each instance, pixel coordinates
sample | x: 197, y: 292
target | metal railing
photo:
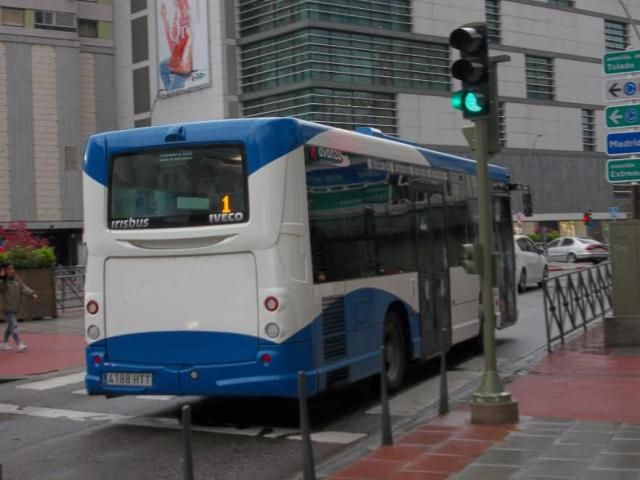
x: 573, y: 300
x: 69, y: 287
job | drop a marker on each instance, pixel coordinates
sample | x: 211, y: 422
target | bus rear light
x: 97, y: 360
x: 93, y: 332
x: 272, y: 330
x: 271, y: 304
x: 266, y: 359
x: 92, y: 307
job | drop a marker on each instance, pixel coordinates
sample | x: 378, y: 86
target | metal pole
x: 443, y: 407
x: 491, y: 381
x: 634, y: 201
x: 491, y: 404
x: 387, y: 437
x: 634, y: 186
x: 186, y: 431
x: 305, y: 430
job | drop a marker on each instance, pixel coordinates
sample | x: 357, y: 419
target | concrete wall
x: 55, y: 90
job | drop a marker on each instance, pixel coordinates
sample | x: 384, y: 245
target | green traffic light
x: 472, y: 103
x: 457, y: 99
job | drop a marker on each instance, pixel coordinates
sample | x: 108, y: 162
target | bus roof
x: 265, y: 139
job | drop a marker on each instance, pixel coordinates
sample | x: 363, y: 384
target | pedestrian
x: 11, y: 291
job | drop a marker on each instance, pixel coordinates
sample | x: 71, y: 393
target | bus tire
x: 395, y: 352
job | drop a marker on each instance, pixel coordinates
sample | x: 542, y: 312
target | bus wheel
x: 394, y: 351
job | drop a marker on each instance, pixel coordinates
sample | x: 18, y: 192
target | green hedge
x: 537, y: 237
x: 29, y: 258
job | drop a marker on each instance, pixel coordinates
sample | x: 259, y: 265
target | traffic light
x: 586, y: 218
x: 472, y: 69
x: 527, y: 204
x: 472, y: 261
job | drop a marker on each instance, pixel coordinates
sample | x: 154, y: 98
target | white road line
x: 156, y: 397
x: 54, y: 382
x: 342, y: 438
x: 75, y: 415
x: 163, y: 398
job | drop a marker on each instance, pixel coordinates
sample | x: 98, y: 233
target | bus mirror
x: 527, y: 204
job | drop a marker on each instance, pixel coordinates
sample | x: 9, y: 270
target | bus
x: 223, y: 257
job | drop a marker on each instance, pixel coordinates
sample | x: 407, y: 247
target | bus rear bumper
x: 277, y: 378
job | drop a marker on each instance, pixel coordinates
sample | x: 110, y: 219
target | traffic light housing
x: 472, y: 69
x: 586, y: 218
x: 472, y: 260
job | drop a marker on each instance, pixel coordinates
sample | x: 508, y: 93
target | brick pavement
x: 579, y: 419
x: 53, y: 344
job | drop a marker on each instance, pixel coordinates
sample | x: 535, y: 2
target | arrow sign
x: 623, y: 171
x: 619, y: 90
x: 623, y: 143
x: 622, y: 116
x: 621, y: 62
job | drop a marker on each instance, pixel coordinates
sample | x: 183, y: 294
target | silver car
x: 531, y: 264
x: 574, y: 249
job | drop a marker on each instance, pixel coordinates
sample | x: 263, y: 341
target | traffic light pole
x: 491, y: 404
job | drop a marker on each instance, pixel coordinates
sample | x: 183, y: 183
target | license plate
x: 129, y: 379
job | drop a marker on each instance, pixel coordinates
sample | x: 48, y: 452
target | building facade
x: 385, y: 64
x: 56, y: 88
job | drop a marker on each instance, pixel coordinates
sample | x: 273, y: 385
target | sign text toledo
x: 621, y: 62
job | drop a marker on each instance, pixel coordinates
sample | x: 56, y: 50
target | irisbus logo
x: 130, y: 223
x: 328, y: 157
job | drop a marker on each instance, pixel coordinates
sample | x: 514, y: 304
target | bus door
x: 433, y: 272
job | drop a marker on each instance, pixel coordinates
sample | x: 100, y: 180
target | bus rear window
x: 183, y: 187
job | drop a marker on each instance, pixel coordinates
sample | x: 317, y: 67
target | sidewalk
x: 579, y: 419
x: 53, y: 344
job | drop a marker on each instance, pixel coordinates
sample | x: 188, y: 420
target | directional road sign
x: 623, y: 170
x: 623, y: 143
x: 625, y: 89
x: 621, y: 62
x: 622, y: 116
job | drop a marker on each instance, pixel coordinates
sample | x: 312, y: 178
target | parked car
x: 531, y: 263
x: 574, y: 249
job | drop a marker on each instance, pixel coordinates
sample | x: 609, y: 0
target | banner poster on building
x: 183, y: 45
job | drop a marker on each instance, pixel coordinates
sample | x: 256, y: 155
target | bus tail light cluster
x: 92, y: 307
x: 93, y: 332
x: 266, y: 359
x: 271, y: 303
x: 272, y: 330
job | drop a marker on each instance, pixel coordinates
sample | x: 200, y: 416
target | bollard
x: 186, y: 430
x: 305, y: 430
x: 443, y: 407
x: 387, y: 437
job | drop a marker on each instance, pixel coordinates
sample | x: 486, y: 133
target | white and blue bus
x: 226, y: 256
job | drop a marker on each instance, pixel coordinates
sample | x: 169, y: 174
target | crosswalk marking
x: 342, y: 438
x: 54, y: 382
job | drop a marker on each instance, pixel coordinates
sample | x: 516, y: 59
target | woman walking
x: 11, y: 291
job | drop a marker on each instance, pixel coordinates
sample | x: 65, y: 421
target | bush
x: 24, y: 250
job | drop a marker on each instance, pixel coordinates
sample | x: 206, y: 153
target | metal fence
x: 572, y: 300
x: 69, y: 287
